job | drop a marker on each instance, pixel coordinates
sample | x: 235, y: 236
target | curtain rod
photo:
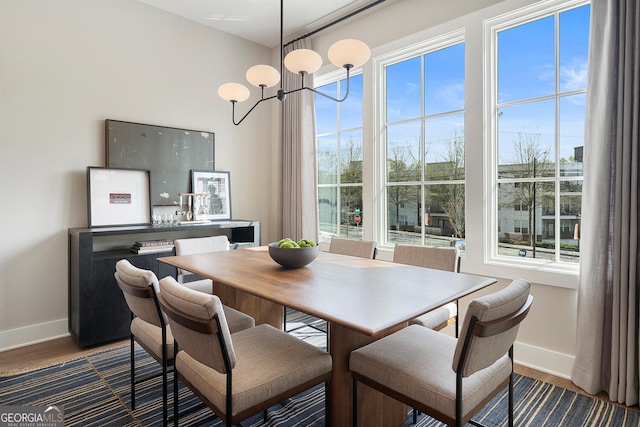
x: 324, y: 27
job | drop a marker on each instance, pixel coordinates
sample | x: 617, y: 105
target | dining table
x: 361, y: 299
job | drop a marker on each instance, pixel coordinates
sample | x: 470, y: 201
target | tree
x: 529, y: 161
x: 451, y: 196
x: 402, y: 166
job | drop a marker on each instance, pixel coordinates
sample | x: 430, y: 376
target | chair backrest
x: 359, y: 248
x: 139, y: 288
x: 198, y: 245
x: 198, y: 324
x: 442, y: 258
x: 490, y: 327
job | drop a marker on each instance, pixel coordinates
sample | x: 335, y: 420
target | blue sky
x: 526, y: 72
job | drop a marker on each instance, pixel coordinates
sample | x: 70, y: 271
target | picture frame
x: 168, y: 153
x: 217, y: 205
x: 118, y: 196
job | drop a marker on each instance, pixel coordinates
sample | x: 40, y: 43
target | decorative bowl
x: 293, y: 257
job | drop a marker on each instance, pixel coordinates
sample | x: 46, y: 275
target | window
x: 424, y: 145
x: 339, y: 157
x: 537, y: 110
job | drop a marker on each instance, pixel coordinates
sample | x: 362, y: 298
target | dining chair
x: 357, y: 248
x: 440, y: 258
x: 148, y: 325
x: 236, y: 375
x: 447, y: 378
x: 196, y: 245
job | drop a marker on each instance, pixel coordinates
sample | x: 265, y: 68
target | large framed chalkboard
x: 169, y: 153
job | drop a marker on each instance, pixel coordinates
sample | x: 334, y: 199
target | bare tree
x: 529, y: 160
x: 402, y: 166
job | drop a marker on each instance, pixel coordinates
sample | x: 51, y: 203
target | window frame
x: 321, y: 80
x: 430, y: 44
x: 491, y: 28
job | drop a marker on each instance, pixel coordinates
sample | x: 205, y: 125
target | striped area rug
x: 94, y: 391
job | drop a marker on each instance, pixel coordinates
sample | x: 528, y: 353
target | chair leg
x: 132, y: 362
x: 327, y: 406
x: 354, y: 405
x: 284, y: 319
x: 415, y: 415
x: 511, y: 389
x: 175, y: 385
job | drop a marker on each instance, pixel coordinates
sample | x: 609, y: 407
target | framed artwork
x: 217, y: 204
x: 169, y: 153
x: 118, y: 196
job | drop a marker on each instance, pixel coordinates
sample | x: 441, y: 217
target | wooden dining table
x: 361, y: 299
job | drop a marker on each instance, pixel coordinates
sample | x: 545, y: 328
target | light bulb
x: 263, y: 75
x: 349, y: 52
x: 303, y: 61
x: 234, y: 92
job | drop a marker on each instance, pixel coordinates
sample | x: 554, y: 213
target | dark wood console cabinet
x: 98, y: 312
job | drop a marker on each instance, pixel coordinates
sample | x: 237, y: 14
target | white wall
x: 65, y: 67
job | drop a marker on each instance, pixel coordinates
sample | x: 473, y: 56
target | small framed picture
x: 216, y: 205
x: 118, y: 196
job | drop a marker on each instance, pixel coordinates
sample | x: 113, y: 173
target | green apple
x: 306, y: 243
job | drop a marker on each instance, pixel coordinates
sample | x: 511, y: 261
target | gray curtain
x: 298, y: 213
x: 607, y: 338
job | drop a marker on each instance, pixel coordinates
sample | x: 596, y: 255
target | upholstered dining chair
x: 148, y: 325
x: 447, y: 378
x: 236, y: 375
x: 198, y: 245
x: 359, y: 248
x: 441, y: 258
x: 338, y: 245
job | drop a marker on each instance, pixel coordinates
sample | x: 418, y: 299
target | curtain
x: 607, y: 329
x: 298, y: 211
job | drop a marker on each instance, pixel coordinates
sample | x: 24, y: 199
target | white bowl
x: 293, y: 257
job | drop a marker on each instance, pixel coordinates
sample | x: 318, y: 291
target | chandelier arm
x: 324, y: 94
x: 233, y: 109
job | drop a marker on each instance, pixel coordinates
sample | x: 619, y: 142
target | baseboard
x: 33, y: 334
x: 544, y: 360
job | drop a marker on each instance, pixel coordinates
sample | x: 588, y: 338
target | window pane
x: 351, y: 157
x: 403, y: 204
x: 444, y: 80
x: 526, y: 61
x: 444, y: 217
x: 574, y: 43
x: 572, y: 112
x: 351, y: 108
x: 526, y: 140
x: 327, y: 160
x: 351, y: 202
x: 570, y: 214
x: 326, y: 109
x: 403, y: 90
x: 403, y: 152
x: 517, y: 227
x: 444, y: 148
x: 327, y: 209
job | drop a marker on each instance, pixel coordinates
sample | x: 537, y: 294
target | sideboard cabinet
x: 98, y: 312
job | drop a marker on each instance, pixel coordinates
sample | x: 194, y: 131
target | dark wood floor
x: 63, y: 349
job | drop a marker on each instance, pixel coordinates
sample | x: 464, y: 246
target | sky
x: 526, y: 91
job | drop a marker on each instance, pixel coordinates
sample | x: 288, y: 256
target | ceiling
x: 259, y: 20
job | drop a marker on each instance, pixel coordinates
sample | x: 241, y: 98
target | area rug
x: 94, y: 391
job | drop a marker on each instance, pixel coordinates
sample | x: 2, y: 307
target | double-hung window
x: 535, y: 137
x: 423, y: 109
x: 339, y: 158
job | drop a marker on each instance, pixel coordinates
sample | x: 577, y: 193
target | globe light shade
x: 303, y: 61
x: 349, y: 52
x: 234, y: 92
x: 263, y: 75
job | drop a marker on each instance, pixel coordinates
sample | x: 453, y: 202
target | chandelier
x: 347, y: 54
